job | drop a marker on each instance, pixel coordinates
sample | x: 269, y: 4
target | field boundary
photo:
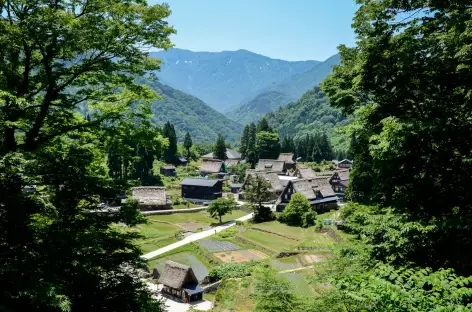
x: 274, y: 233
x: 172, y: 211
x: 256, y: 245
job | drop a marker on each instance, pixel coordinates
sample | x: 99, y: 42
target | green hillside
x: 188, y: 113
x: 311, y: 113
x: 224, y: 79
x: 281, y: 94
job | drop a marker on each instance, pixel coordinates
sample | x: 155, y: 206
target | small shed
x: 151, y: 197
x: 235, y: 187
x: 180, y: 282
x: 168, y: 171
x: 182, y: 160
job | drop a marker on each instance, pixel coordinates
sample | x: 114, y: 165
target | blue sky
x: 290, y: 30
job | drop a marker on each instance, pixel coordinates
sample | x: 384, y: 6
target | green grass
x: 234, y: 296
x: 294, y: 232
x: 272, y: 242
x: 201, y: 217
x: 320, y: 241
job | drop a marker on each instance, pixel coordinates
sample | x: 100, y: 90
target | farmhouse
x: 321, y: 196
x: 339, y: 182
x: 151, y: 197
x: 168, y: 171
x: 290, y: 164
x: 343, y: 164
x: 231, y: 162
x: 235, y: 187
x: 201, y: 190
x: 272, y: 165
x: 230, y: 154
x: 180, y: 282
x: 212, y: 166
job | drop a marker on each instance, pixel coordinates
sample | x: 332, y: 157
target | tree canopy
x: 221, y: 206
x: 219, y: 152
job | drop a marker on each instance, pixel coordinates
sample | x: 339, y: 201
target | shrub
x: 235, y: 269
x: 298, y: 212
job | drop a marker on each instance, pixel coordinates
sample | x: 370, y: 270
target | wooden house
x: 343, y: 164
x: 305, y: 173
x: 212, y: 166
x: 151, y: 198
x: 235, y: 188
x: 201, y: 190
x: 339, y: 182
x: 271, y: 165
x: 168, y: 171
x: 182, y: 161
x: 231, y: 162
x: 290, y: 164
x: 179, y: 282
x: 321, y: 196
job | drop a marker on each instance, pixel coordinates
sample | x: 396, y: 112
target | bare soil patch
x: 240, y: 255
x: 308, y: 259
x: 192, y: 226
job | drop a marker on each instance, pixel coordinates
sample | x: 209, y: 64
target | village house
x: 276, y: 186
x: 290, y: 164
x: 168, y: 171
x: 305, y: 173
x: 317, y: 191
x: 272, y: 165
x: 343, y: 164
x: 151, y: 198
x: 231, y: 162
x: 201, y: 190
x: 235, y: 188
x: 180, y: 283
x: 339, y: 182
x: 230, y: 154
x: 213, y: 166
x: 182, y: 161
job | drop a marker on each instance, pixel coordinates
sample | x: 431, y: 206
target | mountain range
x: 225, y: 79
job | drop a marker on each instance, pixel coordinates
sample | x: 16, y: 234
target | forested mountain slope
x: 279, y: 95
x: 311, y: 113
x: 188, y: 113
x: 224, y: 79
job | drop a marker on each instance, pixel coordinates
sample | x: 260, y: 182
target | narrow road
x: 194, y: 237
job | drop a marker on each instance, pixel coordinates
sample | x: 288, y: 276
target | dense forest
x: 311, y: 114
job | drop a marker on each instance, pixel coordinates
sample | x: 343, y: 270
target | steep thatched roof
x: 305, y: 173
x: 176, y: 275
x: 271, y: 177
x: 343, y: 174
x: 211, y: 166
x: 231, y: 162
x: 231, y: 154
x: 286, y: 157
x: 149, y: 195
x: 271, y: 165
x: 304, y: 187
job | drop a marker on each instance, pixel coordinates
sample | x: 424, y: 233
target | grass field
x: 294, y: 232
x: 201, y: 217
x: 234, y: 296
x: 272, y: 242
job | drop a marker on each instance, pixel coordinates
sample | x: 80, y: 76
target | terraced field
x: 213, y: 245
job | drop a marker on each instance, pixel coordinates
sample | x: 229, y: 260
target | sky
x: 290, y: 30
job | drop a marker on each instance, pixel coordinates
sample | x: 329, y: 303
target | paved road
x: 194, y: 237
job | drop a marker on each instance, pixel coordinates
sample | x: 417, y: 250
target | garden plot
x: 192, y: 226
x: 218, y: 246
x: 186, y: 258
x: 288, y: 263
x: 240, y: 255
x: 299, y: 284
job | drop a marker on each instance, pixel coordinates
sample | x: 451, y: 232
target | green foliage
x: 188, y: 144
x: 235, y: 269
x: 244, y: 142
x: 239, y: 170
x: 219, y: 152
x: 257, y: 191
x: 267, y: 145
x: 221, y: 206
x: 66, y: 84
x: 298, y: 212
x: 170, y: 153
x: 262, y: 125
x: 273, y: 294
x: 311, y: 114
x: 190, y: 114
x: 251, y: 152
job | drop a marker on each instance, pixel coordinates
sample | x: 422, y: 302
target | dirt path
x: 295, y: 270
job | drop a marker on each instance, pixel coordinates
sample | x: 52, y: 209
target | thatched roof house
x: 276, y: 186
x: 151, y: 197
x: 288, y: 159
x: 230, y: 154
x: 305, y: 173
x: 180, y: 282
x: 272, y: 165
x: 210, y: 166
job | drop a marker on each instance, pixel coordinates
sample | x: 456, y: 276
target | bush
x: 235, y: 269
x: 298, y: 212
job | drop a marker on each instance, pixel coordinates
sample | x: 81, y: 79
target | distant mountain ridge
x: 190, y: 114
x: 272, y: 97
x: 225, y: 79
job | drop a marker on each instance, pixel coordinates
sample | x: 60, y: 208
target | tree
x: 298, y: 212
x: 263, y: 126
x: 59, y: 59
x: 251, y: 154
x: 273, y: 294
x: 170, y: 154
x: 287, y: 145
x: 267, y: 145
x: 219, y: 152
x: 257, y: 191
x: 244, y: 142
x: 326, y: 148
x: 239, y: 170
x: 221, y: 206
x: 188, y: 143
